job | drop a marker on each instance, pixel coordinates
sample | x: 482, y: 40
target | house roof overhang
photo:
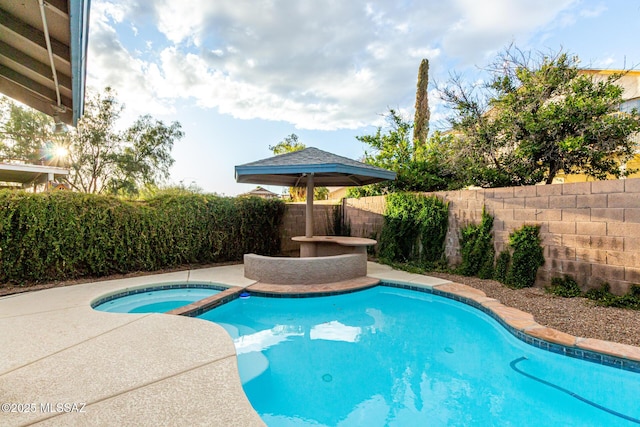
x: 30, y: 174
x: 26, y: 72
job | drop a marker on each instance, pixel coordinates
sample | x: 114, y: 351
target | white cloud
x: 429, y: 53
x: 605, y: 62
x: 486, y: 26
x: 328, y: 66
x: 111, y: 64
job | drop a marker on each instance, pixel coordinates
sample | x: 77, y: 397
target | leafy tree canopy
x: 24, y: 133
x: 101, y: 158
x: 287, y: 145
x: 538, y: 115
x: 419, y: 166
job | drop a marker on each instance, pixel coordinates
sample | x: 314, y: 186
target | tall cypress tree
x: 421, y: 121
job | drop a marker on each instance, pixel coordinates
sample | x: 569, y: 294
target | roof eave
x: 319, y: 169
x: 79, y: 23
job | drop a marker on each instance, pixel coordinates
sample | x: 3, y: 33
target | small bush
x: 631, y: 299
x: 603, y: 296
x: 502, y: 266
x: 564, y: 287
x: 476, y: 248
x: 527, y: 257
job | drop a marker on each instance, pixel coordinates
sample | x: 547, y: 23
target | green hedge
x: 476, y: 248
x: 65, y: 235
x: 528, y: 256
x: 414, y: 229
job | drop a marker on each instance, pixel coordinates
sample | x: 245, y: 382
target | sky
x: 241, y: 76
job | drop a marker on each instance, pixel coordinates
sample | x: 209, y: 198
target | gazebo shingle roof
x: 291, y: 169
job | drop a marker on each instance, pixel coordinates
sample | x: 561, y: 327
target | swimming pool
x: 156, y: 299
x: 389, y: 356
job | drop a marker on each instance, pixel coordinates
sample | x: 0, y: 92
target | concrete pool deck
x: 158, y: 369
x: 121, y: 369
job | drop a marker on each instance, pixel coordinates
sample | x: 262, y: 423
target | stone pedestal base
x: 302, y: 271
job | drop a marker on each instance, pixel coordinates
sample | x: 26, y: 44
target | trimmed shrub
x: 527, y: 257
x: 631, y: 299
x: 502, y: 266
x: 476, y: 248
x: 603, y: 296
x: 65, y: 235
x: 414, y: 229
x: 564, y: 287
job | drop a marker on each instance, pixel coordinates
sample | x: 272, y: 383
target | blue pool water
x: 156, y: 301
x: 395, y: 357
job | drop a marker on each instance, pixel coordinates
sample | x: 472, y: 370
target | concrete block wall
x: 293, y: 224
x: 365, y: 216
x: 590, y: 230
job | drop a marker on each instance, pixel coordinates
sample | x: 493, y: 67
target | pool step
x: 197, y: 308
x: 251, y: 365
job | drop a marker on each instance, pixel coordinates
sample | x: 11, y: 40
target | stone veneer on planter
x: 303, y: 271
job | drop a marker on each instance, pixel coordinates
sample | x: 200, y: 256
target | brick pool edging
x: 196, y: 308
x: 524, y: 327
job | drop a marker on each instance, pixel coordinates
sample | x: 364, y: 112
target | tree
x: 422, y: 114
x: 537, y: 116
x: 26, y: 134
x: 101, y: 158
x: 392, y: 149
x: 145, y: 158
x: 94, y: 146
x: 104, y: 160
x: 418, y: 167
x: 289, y: 145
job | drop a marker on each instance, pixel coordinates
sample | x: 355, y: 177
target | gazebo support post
x: 309, y: 209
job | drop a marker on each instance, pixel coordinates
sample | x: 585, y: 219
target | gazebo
x: 323, y: 259
x: 310, y: 167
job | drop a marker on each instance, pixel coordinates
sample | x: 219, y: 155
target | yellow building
x: 630, y: 83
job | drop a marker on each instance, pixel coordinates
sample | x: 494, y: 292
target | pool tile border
x: 196, y: 308
x: 520, y: 324
x: 158, y: 287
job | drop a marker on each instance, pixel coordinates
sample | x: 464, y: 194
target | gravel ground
x: 576, y: 316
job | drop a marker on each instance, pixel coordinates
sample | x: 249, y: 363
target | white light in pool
x: 335, y: 331
x: 262, y: 340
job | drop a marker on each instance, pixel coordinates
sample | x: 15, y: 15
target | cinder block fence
x: 294, y: 224
x: 590, y: 230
